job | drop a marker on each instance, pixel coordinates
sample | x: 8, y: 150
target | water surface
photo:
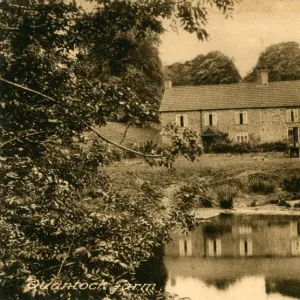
x: 236, y: 257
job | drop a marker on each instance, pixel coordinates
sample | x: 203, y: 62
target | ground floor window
x: 242, y: 137
x: 293, y: 135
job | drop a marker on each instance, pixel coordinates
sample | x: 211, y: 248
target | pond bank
x: 270, y: 210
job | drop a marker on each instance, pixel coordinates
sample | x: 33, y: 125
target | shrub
x: 260, y: 185
x: 193, y: 195
x: 274, y: 201
x: 282, y: 203
x: 292, y: 185
x: 225, y: 196
x: 273, y: 147
x: 227, y: 146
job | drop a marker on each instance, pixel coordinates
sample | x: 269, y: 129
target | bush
x: 292, y: 185
x: 225, y: 196
x: 227, y: 146
x: 193, y: 195
x: 261, y: 185
x: 273, y: 147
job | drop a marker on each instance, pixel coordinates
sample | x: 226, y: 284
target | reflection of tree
x: 289, y: 288
x: 221, y: 283
x: 154, y: 270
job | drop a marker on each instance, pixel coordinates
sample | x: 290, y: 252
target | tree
x: 61, y: 218
x: 282, y: 61
x: 212, y: 68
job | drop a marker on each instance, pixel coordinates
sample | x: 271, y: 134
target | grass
x: 261, y: 186
x: 214, y: 170
x: 225, y: 195
x: 134, y: 135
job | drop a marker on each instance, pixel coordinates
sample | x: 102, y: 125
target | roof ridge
x: 236, y: 83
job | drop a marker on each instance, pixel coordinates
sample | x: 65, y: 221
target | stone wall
x: 193, y: 121
x: 264, y: 125
x: 274, y: 125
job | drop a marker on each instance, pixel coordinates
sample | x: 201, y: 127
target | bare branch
x: 19, y: 138
x: 125, y: 132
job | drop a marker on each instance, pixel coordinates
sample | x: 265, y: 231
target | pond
x: 236, y: 257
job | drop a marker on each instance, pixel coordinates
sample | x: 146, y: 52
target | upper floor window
x: 210, y: 119
x: 292, y: 115
x: 241, y: 117
x: 182, y: 120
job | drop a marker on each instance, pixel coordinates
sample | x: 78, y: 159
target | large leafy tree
x: 212, y: 68
x: 63, y: 71
x: 282, y: 61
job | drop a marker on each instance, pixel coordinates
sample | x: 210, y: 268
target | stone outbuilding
x: 245, y: 112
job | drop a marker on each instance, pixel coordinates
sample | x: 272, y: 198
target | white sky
x: 256, y: 24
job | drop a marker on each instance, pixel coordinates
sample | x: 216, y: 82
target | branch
x: 125, y: 132
x: 114, y: 143
x: 64, y: 260
x: 21, y: 137
x: 82, y: 121
x: 27, y: 89
x: 4, y: 27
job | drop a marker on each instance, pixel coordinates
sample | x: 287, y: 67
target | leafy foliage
x: 226, y: 146
x: 194, y: 195
x: 292, y: 184
x: 261, y: 185
x: 63, y: 71
x: 226, y: 195
x: 213, y: 68
x: 282, y: 61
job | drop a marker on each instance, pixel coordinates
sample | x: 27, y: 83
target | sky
x: 256, y: 24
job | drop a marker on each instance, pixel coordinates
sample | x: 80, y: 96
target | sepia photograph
x: 149, y: 149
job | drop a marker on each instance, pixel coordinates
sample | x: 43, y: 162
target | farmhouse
x: 257, y: 112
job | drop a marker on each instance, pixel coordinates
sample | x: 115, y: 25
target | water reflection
x: 236, y: 257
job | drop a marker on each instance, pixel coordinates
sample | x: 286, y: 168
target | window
x: 214, y: 247
x: 242, y: 137
x: 291, y: 115
x: 293, y: 135
x: 182, y: 120
x: 245, y: 247
x: 185, y: 247
x: 245, y: 229
x: 295, y: 247
x: 210, y: 119
x: 241, y: 117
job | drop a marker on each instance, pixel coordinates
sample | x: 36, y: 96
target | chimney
x: 263, y: 76
x: 168, y: 84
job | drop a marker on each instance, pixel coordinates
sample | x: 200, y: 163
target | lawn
x: 215, y: 170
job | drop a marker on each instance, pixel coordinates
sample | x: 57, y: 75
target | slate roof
x: 231, y: 96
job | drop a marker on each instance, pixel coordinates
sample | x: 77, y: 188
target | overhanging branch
x: 19, y: 138
x: 82, y: 121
